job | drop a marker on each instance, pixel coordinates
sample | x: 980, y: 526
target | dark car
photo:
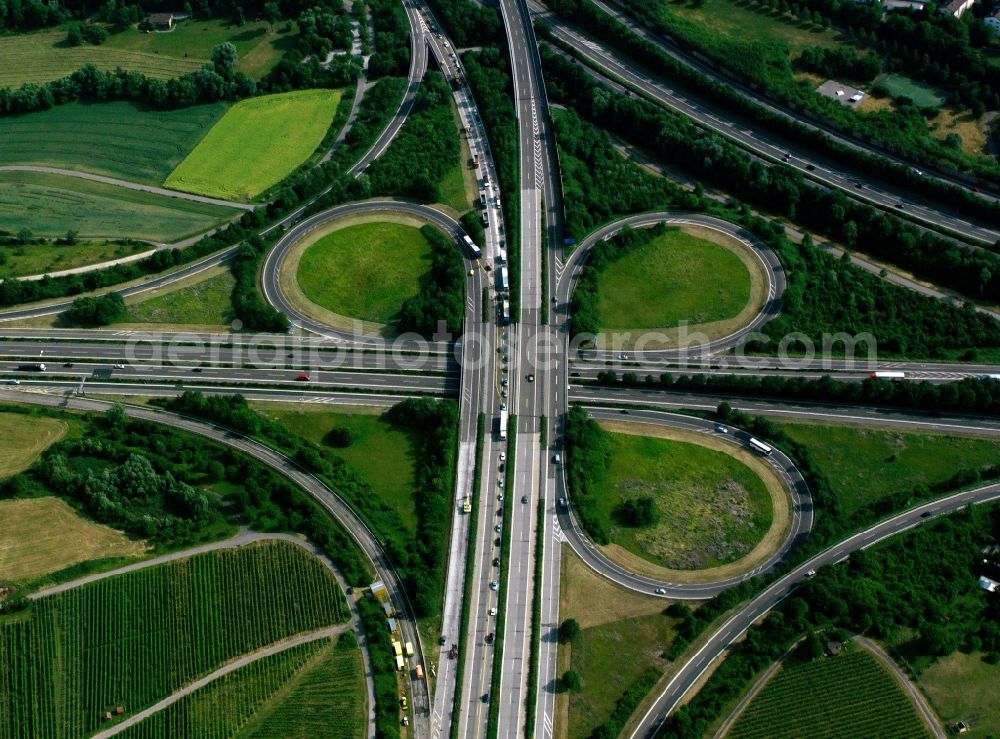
x: 486, y: 697
x: 496, y: 561
x: 524, y: 498
x: 810, y: 167
x: 496, y: 542
x: 925, y: 514
x: 196, y: 369
x: 67, y: 364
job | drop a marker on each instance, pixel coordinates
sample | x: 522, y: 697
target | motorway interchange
x: 522, y: 368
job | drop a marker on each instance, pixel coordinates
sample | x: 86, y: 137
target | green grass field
x: 40, y: 57
x: 256, y: 144
x: 865, y: 464
x: 921, y: 94
x: 117, y: 139
x: 313, y: 691
x: 850, y: 695
x: 51, y: 205
x: 748, y: 22
x: 40, y: 259
x: 365, y: 271
x: 259, y: 48
x: 961, y: 687
x: 207, y: 302
x: 454, y: 186
x: 711, y: 508
x: 383, y: 453
x: 133, y: 639
x: 675, y: 277
x: 24, y: 440
x: 609, y: 658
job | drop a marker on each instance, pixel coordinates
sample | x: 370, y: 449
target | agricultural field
x: 710, y: 508
x: 256, y: 144
x: 50, y: 205
x: 383, y: 453
x: 133, y: 639
x: 46, y: 258
x: 313, y: 691
x: 258, y: 47
x: 848, y: 695
x: 117, y: 139
x: 40, y: 57
x: 24, y: 440
x: 42, y: 535
x: 348, y: 271
x: 962, y: 687
x: 865, y: 465
x: 675, y: 277
x: 206, y: 302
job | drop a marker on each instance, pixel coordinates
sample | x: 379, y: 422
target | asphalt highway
x: 766, y: 144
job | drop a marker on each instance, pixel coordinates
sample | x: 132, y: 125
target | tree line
x: 391, y: 53
x: 778, y: 188
x: 442, y: 296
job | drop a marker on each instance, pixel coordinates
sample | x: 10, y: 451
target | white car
x: 13, y: 381
x: 503, y: 456
x: 500, y: 483
x: 493, y: 611
x: 494, y: 585
x: 119, y: 366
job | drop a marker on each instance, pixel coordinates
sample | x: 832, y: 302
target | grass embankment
x: 206, y: 302
x: 258, y: 47
x: 256, y: 144
x: 61, y: 661
x: 864, y: 465
x: 365, y: 271
x: 43, y: 56
x: 711, y: 509
x: 50, y: 205
x: 850, y: 694
x: 24, y: 440
x: 382, y: 452
x: 314, y: 690
x: 44, y: 535
x: 117, y: 139
x: 962, y: 687
x: 623, y: 634
x: 46, y: 258
x: 675, y: 277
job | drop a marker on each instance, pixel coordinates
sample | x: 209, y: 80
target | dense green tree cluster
x: 467, y: 22
x: 600, y: 184
x: 840, y: 62
x: 425, y: 148
x: 919, y: 588
x: 437, y: 422
x: 92, y: 33
x: 392, y: 31
x: 778, y: 189
x: 321, y: 30
x: 441, y: 300
x: 96, y: 311
x: 248, y: 305
x: 588, y: 453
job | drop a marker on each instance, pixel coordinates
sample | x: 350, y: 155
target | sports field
x: 365, y: 271
x: 133, y: 639
x: 256, y: 144
x: 41, y: 57
x: 43, y: 535
x: 117, y: 139
x: 848, y: 695
x: 675, y: 277
x: 920, y: 93
x: 864, y: 465
x: 51, y: 205
x: 710, y: 508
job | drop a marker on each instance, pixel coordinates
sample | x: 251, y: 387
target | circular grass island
x: 680, y: 505
x: 360, y: 268
x: 692, y: 276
